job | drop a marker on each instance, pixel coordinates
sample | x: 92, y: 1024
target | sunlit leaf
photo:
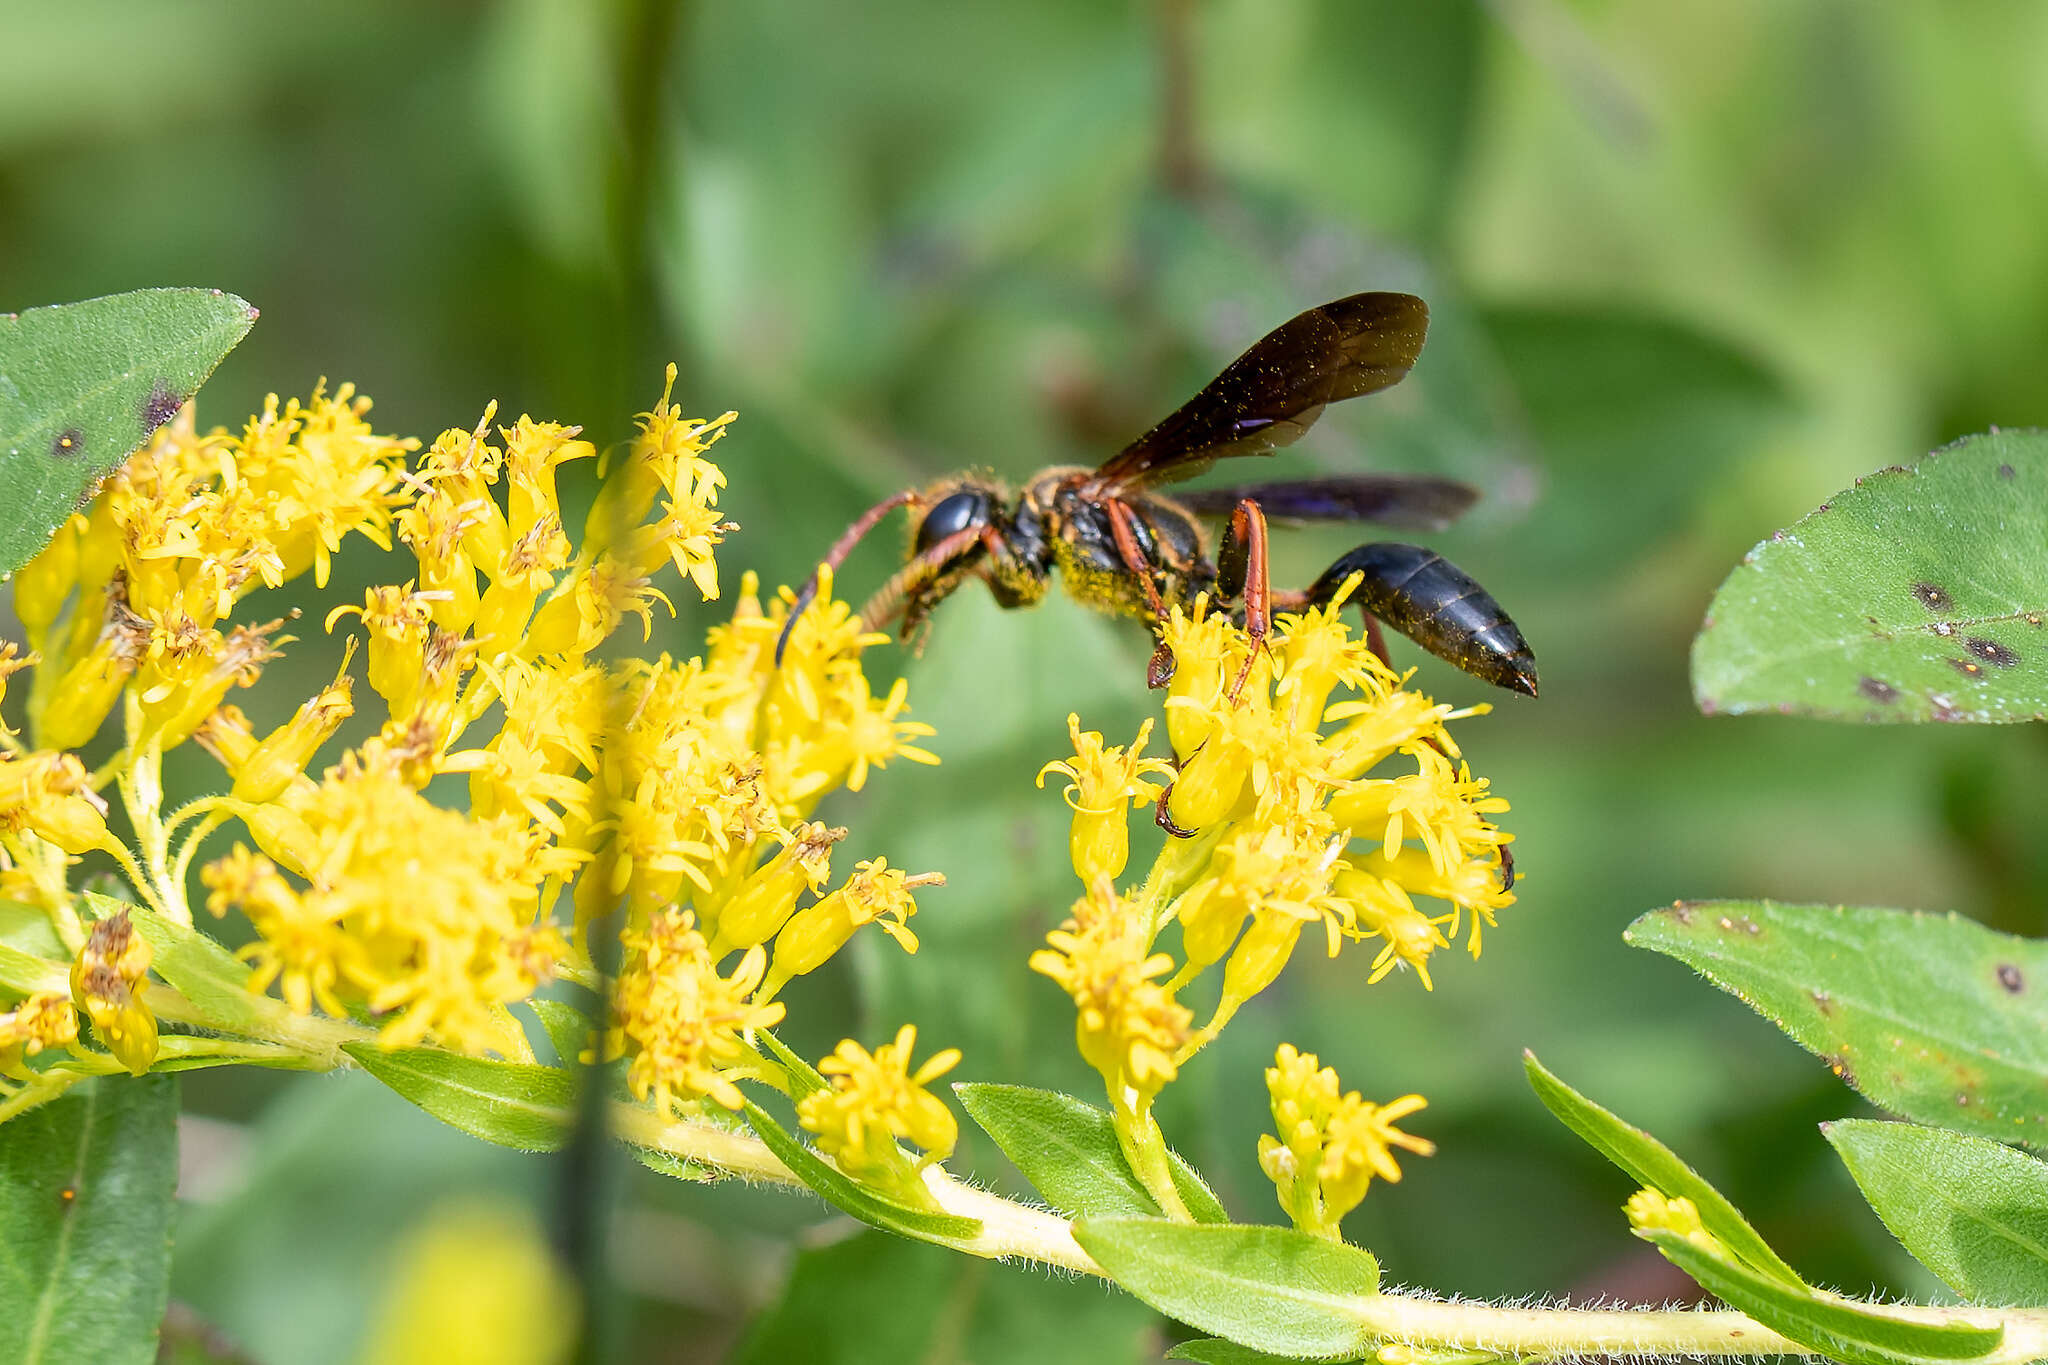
x: 514, y: 1104
x: 1273, y: 1289
x: 1972, y: 1211
x: 1920, y: 594
x: 1932, y: 1016
x: 82, y: 385
x: 1065, y: 1148
x: 86, y: 1193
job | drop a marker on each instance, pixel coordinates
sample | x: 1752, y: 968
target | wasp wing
x: 1274, y: 392
x: 1410, y: 502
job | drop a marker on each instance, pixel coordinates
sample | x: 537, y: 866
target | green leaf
x: 24, y: 974
x: 1972, y: 1211
x: 1065, y: 1148
x: 1273, y: 1289
x: 1842, y: 1329
x: 844, y: 1193
x: 82, y: 386
x: 205, y: 973
x: 1068, y: 1150
x: 1920, y: 594
x: 568, y: 1028
x: 1657, y: 1166
x: 675, y: 1167
x: 27, y: 928
x: 86, y: 1192
x: 1932, y: 1016
x: 804, y: 1079
x: 1194, y: 1191
x: 514, y: 1104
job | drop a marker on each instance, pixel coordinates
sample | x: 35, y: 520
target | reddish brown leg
x: 1123, y: 528
x: 889, y: 598
x: 1241, y: 572
x: 1375, y: 638
x: 836, y: 556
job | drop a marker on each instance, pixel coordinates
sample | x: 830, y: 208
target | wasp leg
x: 1165, y: 821
x: 1241, y: 572
x: 907, y: 582
x: 836, y: 556
x: 1437, y: 605
x: 1375, y: 638
x: 1123, y: 530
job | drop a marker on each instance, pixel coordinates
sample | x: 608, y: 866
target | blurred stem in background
x: 646, y: 35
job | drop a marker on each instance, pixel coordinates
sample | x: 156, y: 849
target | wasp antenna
x: 836, y: 556
x: 798, y: 605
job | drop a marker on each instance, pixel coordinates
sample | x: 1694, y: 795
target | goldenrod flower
x: 1128, y: 1026
x: 44, y: 1020
x: 48, y: 795
x: 875, y: 1100
x: 875, y: 894
x: 681, y: 1022
x: 767, y: 897
x: 1330, y: 1145
x: 1102, y: 782
x: 1649, y: 1211
x: 1282, y: 826
x: 106, y: 983
x: 411, y: 911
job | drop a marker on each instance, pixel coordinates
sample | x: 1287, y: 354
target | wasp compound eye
x: 952, y: 514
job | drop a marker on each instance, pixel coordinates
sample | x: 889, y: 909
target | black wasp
x: 1123, y: 547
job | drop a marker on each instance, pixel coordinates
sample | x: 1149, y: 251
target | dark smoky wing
x: 1274, y: 392
x: 1411, y: 502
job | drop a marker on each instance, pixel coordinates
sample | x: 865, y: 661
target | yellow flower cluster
x: 1286, y: 816
x: 1649, y: 1211
x: 1331, y: 1142
x: 43, y: 1020
x: 667, y: 801
x: 876, y: 1099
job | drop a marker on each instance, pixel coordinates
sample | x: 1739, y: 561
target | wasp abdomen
x: 1439, y: 606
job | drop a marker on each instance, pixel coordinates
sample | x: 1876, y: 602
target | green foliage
x: 1920, y: 594
x: 569, y: 1029
x: 1273, y: 1289
x: 1972, y: 1211
x: 1068, y: 1151
x: 1932, y: 1016
x: 205, y: 973
x: 850, y: 1196
x: 1657, y: 1167
x: 514, y: 1104
x: 86, y: 1192
x: 1862, y: 1334
x: 82, y: 385
x: 1737, y: 1266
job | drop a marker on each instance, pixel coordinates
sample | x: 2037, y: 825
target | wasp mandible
x: 1125, y: 548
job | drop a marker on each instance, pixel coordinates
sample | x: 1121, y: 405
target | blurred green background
x: 1693, y: 267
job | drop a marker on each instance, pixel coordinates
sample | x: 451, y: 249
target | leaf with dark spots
x: 1991, y: 652
x: 1911, y: 597
x: 1932, y: 596
x: 1923, y: 1013
x: 82, y: 386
